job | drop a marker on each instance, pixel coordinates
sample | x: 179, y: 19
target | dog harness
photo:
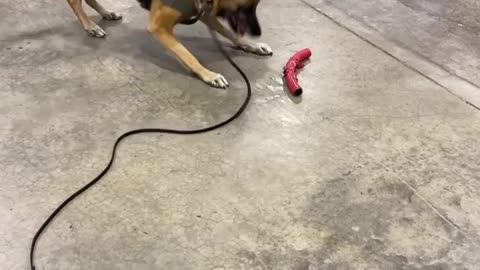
x: 191, y: 10
x: 187, y: 8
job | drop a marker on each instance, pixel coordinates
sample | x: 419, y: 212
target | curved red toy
x: 289, y: 71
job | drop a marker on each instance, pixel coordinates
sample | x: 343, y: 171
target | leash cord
x: 144, y: 130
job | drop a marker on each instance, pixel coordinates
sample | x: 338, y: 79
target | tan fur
x: 87, y: 24
x: 162, y: 21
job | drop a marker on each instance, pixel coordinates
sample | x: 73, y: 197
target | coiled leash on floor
x: 145, y: 130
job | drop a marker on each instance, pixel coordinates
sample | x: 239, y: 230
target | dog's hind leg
x: 89, y: 26
x: 107, y: 15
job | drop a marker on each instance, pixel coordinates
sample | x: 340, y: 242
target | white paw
x: 96, y: 31
x: 217, y: 80
x: 112, y: 16
x: 257, y: 48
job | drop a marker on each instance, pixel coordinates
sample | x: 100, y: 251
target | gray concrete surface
x: 443, y: 33
x: 376, y: 167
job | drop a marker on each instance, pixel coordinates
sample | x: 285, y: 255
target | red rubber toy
x: 289, y: 71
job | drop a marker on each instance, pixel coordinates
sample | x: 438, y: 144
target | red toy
x: 289, y: 71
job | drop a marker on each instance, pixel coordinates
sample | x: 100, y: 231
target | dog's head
x: 241, y: 15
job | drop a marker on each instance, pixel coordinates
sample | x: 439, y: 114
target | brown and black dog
x: 165, y: 14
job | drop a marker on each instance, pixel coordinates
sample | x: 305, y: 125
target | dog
x: 240, y: 15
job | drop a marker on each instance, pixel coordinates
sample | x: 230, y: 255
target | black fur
x: 146, y: 4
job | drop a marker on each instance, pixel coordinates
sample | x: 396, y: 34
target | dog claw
x: 96, y: 31
x: 112, y: 16
x: 218, y: 81
x: 257, y: 48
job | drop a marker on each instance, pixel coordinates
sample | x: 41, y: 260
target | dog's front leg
x: 162, y: 21
x: 107, y: 15
x: 241, y: 42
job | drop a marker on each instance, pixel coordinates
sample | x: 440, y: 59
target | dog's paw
x: 112, y: 16
x: 216, y: 80
x: 96, y: 31
x: 257, y: 48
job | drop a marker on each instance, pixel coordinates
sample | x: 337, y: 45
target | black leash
x: 144, y: 130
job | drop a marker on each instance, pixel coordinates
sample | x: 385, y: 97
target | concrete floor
x: 376, y: 167
x: 439, y: 38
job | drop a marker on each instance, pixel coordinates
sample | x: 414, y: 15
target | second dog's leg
x: 89, y: 26
x: 243, y: 43
x: 107, y: 15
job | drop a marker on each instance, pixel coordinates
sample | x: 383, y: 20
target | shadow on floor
x: 132, y: 42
